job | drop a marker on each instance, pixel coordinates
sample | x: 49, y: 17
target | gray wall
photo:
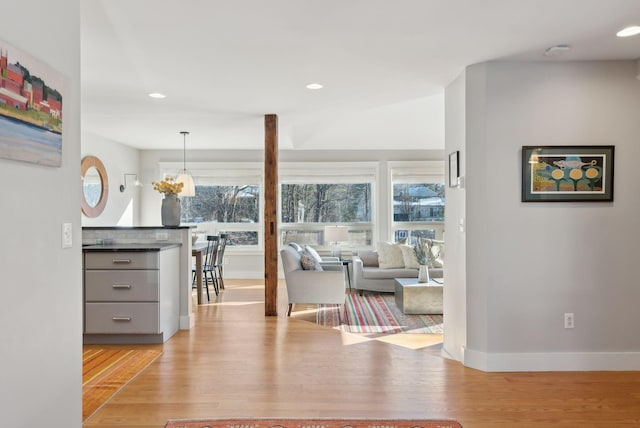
x: 41, y: 283
x: 526, y: 264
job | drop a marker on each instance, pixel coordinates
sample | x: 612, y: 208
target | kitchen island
x: 131, y: 292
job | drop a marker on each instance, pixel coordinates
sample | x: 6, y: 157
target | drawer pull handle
x: 121, y: 261
x: 127, y: 286
x: 121, y: 319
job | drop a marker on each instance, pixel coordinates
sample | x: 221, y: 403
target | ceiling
x: 224, y: 64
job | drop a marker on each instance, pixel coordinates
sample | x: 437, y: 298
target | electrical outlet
x: 162, y: 236
x: 569, y: 322
x: 67, y: 235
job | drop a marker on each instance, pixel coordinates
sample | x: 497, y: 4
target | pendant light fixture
x: 188, y: 188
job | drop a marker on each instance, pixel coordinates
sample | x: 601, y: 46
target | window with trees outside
x: 226, y: 208
x: 418, y: 201
x: 324, y: 195
x: 227, y: 200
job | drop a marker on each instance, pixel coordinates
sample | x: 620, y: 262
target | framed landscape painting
x: 30, y: 108
x: 567, y: 173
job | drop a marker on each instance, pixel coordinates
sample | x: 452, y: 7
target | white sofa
x: 368, y: 275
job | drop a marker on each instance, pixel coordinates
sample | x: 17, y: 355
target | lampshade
x: 336, y: 233
x: 188, y: 186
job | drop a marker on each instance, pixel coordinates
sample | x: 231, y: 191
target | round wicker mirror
x: 95, y: 186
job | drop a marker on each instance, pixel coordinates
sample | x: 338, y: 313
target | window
x: 225, y: 205
x: 315, y: 195
x: 326, y: 203
x: 228, y: 199
x: 418, y: 195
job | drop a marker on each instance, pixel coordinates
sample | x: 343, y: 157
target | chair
x: 208, y: 267
x: 325, y: 261
x: 220, y: 259
x: 325, y: 286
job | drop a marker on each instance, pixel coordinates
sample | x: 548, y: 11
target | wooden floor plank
x: 236, y: 362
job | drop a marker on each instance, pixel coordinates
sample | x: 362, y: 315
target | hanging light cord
x: 184, y: 151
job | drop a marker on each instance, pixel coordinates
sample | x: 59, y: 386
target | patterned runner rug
x: 312, y: 423
x: 106, y: 371
x: 376, y: 313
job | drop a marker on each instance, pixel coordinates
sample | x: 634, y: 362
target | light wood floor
x: 238, y: 363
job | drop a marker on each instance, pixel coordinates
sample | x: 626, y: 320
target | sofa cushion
x: 437, y: 252
x: 375, y: 273
x: 308, y: 261
x: 313, y: 253
x: 369, y: 258
x: 295, y: 246
x: 290, y: 259
x: 409, y: 257
x: 389, y: 256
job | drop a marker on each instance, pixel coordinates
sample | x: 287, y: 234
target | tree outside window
x: 226, y: 208
x: 326, y: 203
x: 307, y: 208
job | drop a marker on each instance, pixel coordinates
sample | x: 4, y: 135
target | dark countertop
x: 130, y: 247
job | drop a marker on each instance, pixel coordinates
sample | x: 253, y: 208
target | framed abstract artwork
x: 567, y: 173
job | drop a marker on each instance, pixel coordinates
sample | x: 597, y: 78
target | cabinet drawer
x: 121, y: 260
x: 132, y: 318
x: 121, y: 285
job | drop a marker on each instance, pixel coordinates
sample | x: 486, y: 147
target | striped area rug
x: 106, y: 371
x: 376, y: 313
x: 312, y: 423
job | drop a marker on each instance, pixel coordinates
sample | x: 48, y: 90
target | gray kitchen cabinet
x: 131, y: 293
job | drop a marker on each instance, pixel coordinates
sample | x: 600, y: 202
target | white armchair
x: 310, y: 286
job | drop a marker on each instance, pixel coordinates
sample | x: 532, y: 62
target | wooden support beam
x: 270, y: 214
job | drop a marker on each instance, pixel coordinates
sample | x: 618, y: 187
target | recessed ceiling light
x: 629, y: 31
x: 557, y: 50
x: 157, y: 95
x: 314, y: 86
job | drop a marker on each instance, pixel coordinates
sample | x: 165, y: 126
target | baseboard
x: 552, y: 361
x: 187, y: 322
x: 248, y: 274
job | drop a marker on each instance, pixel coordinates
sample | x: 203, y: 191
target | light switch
x: 67, y: 235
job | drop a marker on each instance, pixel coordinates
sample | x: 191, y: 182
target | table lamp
x: 335, y: 235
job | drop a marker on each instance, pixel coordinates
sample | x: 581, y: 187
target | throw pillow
x: 409, y: 257
x: 308, y: 262
x: 369, y: 258
x: 295, y: 246
x: 390, y: 256
x: 313, y: 253
x: 437, y: 250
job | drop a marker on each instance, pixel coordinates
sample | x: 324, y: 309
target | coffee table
x: 413, y: 297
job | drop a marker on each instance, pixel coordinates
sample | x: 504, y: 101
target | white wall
x: 123, y: 208
x: 529, y: 263
x: 41, y: 283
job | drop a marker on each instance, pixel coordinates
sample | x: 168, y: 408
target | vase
x: 423, y: 273
x: 170, y: 210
